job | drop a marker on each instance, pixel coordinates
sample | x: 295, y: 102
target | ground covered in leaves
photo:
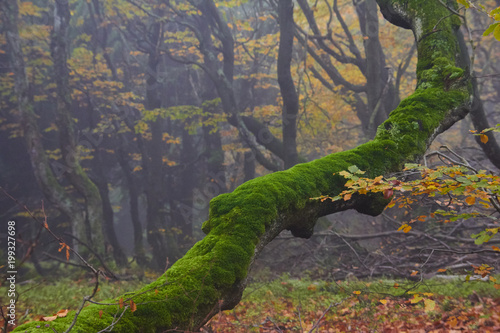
x: 377, y: 306
x: 305, y: 305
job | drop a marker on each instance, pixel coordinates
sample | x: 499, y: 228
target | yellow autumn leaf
x: 407, y: 229
x: 402, y: 226
x: 356, y: 292
x: 416, y: 299
x: 484, y: 138
x: 383, y: 301
x: 430, y: 305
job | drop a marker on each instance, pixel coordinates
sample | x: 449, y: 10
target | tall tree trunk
x: 480, y: 122
x: 133, y: 194
x: 212, y: 275
x: 157, y: 230
x: 108, y: 215
x: 285, y: 80
x: 44, y: 174
x: 93, y: 234
x: 182, y: 206
x: 380, y: 92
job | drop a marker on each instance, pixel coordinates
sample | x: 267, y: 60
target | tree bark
x: 212, y: 275
x: 287, y: 86
x: 93, y: 232
x: 133, y: 193
x: 480, y: 122
x: 155, y: 189
x: 44, y: 174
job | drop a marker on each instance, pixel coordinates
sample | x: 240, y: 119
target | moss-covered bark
x: 211, y: 276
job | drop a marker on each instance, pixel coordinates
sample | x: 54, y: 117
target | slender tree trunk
x: 93, y: 235
x: 287, y: 86
x: 480, y: 122
x: 108, y: 215
x: 133, y: 194
x: 182, y: 206
x: 44, y: 174
x: 380, y: 92
x: 157, y: 230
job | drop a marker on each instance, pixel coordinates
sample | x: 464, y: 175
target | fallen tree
x: 212, y: 275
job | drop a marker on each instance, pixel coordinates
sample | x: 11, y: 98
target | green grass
x: 299, y: 288
x: 46, y: 297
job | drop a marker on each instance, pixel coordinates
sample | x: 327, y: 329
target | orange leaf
x: 383, y: 301
x: 347, y: 196
x: 497, y: 286
x: 452, y: 321
x: 312, y: 287
x: 413, y: 273
x: 495, y: 248
x: 120, y: 302
x: 470, y: 200
x: 100, y: 314
x: 407, y: 229
x: 396, y: 285
x: 484, y: 138
x: 356, y: 292
x: 156, y: 291
x: 133, y: 306
x: 441, y: 270
x: 62, y: 313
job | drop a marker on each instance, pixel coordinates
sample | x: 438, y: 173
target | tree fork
x: 212, y: 275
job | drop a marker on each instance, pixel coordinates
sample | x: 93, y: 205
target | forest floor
x: 306, y: 305
x: 360, y: 306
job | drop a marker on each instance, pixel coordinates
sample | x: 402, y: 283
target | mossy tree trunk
x: 212, y: 275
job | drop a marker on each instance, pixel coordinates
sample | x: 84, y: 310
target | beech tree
x: 212, y: 275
